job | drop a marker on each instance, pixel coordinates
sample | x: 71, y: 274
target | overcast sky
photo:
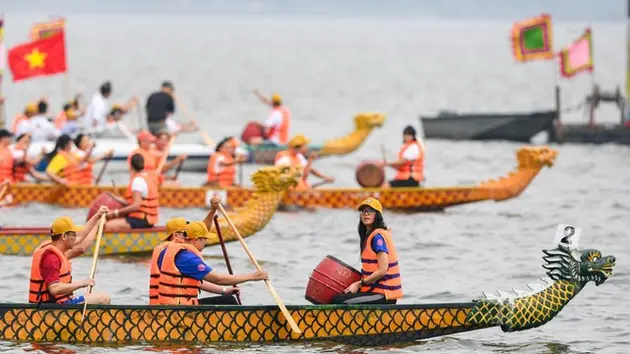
x: 564, y: 10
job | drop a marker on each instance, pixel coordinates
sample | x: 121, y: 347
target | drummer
x: 381, y: 282
x: 175, y: 233
x: 183, y: 272
x: 142, y: 197
x: 410, y: 162
x: 51, y: 271
x: 294, y: 157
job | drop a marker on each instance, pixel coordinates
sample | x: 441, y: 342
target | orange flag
x: 43, y: 57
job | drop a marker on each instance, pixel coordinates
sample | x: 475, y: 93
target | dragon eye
x: 595, y: 258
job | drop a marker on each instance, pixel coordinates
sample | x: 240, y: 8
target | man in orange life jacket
x: 23, y: 165
x: 294, y: 156
x: 146, y: 149
x: 278, y: 124
x: 6, y: 157
x: 410, y: 162
x: 183, y: 273
x: 142, y: 197
x: 161, y: 144
x: 51, y: 271
x: 221, y: 169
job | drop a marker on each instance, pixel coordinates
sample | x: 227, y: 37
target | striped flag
x: 578, y: 57
x: 44, y: 30
x: 532, y: 39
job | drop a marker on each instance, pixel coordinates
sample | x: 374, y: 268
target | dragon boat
x: 568, y: 272
x: 199, y: 153
x: 270, y: 184
x: 530, y: 161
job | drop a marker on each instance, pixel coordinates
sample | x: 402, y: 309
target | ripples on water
x: 328, y: 70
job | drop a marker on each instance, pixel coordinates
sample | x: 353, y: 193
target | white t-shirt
x: 275, y: 120
x: 286, y: 160
x: 40, y: 127
x: 16, y: 153
x: 412, y: 152
x: 172, y: 126
x: 140, y: 185
x: 96, y: 114
x: 217, y: 163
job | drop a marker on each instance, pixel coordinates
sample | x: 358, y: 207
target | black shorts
x: 404, y: 183
x: 219, y: 300
x: 361, y: 298
x: 138, y: 223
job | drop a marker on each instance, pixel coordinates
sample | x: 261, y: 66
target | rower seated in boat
x: 29, y: 111
x: 277, y: 125
x: 85, y: 146
x: 381, y: 282
x: 161, y: 144
x: 410, y: 162
x: 64, y: 166
x: 23, y: 165
x: 222, y: 164
x: 146, y: 149
x: 14, y: 164
x: 142, y: 198
x: 183, y: 273
x: 294, y: 157
x: 51, y: 270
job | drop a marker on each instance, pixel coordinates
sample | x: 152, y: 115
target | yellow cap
x: 198, y: 229
x: 71, y: 114
x: 31, y: 108
x: 299, y: 140
x: 174, y: 225
x: 62, y: 225
x: 373, y: 203
x: 276, y: 98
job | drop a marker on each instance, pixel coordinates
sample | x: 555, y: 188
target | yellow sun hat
x: 299, y: 140
x: 372, y: 203
x: 174, y: 225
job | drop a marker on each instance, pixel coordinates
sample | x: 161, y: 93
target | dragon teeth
x: 535, y: 286
x: 489, y: 296
x: 519, y: 292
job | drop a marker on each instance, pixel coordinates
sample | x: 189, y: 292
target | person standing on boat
x: 51, y: 271
x: 381, y: 282
x: 96, y: 115
x: 294, y: 156
x: 183, y: 273
x: 410, y: 163
x: 221, y: 169
x: 160, y: 105
x: 146, y: 149
x: 278, y: 123
x: 142, y: 197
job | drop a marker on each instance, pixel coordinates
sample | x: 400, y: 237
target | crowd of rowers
x: 71, y: 161
x: 178, y: 272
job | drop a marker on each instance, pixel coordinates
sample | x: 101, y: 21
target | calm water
x: 327, y: 70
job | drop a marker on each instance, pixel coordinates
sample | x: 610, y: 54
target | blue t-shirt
x: 379, y: 245
x: 189, y: 264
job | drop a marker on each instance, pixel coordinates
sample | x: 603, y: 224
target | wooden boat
x: 199, y: 153
x: 530, y: 161
x: 270, y: 183
x: 488, y: 126
x: 569, y: 270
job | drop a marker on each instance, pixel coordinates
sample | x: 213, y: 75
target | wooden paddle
x: 224, y: 250
x: 123, y: 128
x: 320, y: 183
x: 100, y: 174
x: 179, y: 168
x: 99, y: 233
x: 206, y: 138
x: 273, y: 292
x: 165, y: 156
x: 3, y: 191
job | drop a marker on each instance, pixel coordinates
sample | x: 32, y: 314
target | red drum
x: 331, y: 277
x: 252, y: 130
x: 370, y: 174
x: 106, y: 198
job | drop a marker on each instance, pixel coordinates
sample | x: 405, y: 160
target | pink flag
x: 578, y: 57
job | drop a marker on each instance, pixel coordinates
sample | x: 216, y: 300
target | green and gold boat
x: 568, y: 271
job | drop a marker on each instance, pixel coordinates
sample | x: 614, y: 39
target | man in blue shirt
x: 191, y: 265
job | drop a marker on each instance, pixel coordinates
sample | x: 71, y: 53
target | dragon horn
x: 519, y: 292
x: 535, y: 286
x: 489, y: 296
x: 503, y: 294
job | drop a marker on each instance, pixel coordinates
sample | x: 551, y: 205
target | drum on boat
x: 106, y: 198
x: 370, y: 174
x: 331, y: 277
x: 252, y: 130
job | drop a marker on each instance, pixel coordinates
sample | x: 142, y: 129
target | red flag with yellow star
x: 38, y: 58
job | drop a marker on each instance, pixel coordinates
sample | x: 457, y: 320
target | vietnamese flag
x: 38, y: 58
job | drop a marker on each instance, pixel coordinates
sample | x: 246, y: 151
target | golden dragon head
x: 275, y: 178
x: 536, y: 156
x: 366, y: 120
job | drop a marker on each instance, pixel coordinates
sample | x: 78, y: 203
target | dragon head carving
x: 275, y: 179
x: 368, y: 120
x: 581, y: 266
x: 536, y: 156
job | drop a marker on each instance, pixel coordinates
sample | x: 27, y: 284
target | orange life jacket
x: 391, y: 283
x: 38, y: 290
x: 6, y: 164
x: 86, y: 172
x: 295, y: 162
x: 175, y: 288
x: 224, y: 177
x: 158, y: 156
x: 411, y: 169
x: 16, y: 121
x: 61, y: 120
x: 20, y: 167
x: 150, y: 163
x: 154, y: 281
x: 150, y: 206
x: 281, y: 132
x: 71, y: 173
